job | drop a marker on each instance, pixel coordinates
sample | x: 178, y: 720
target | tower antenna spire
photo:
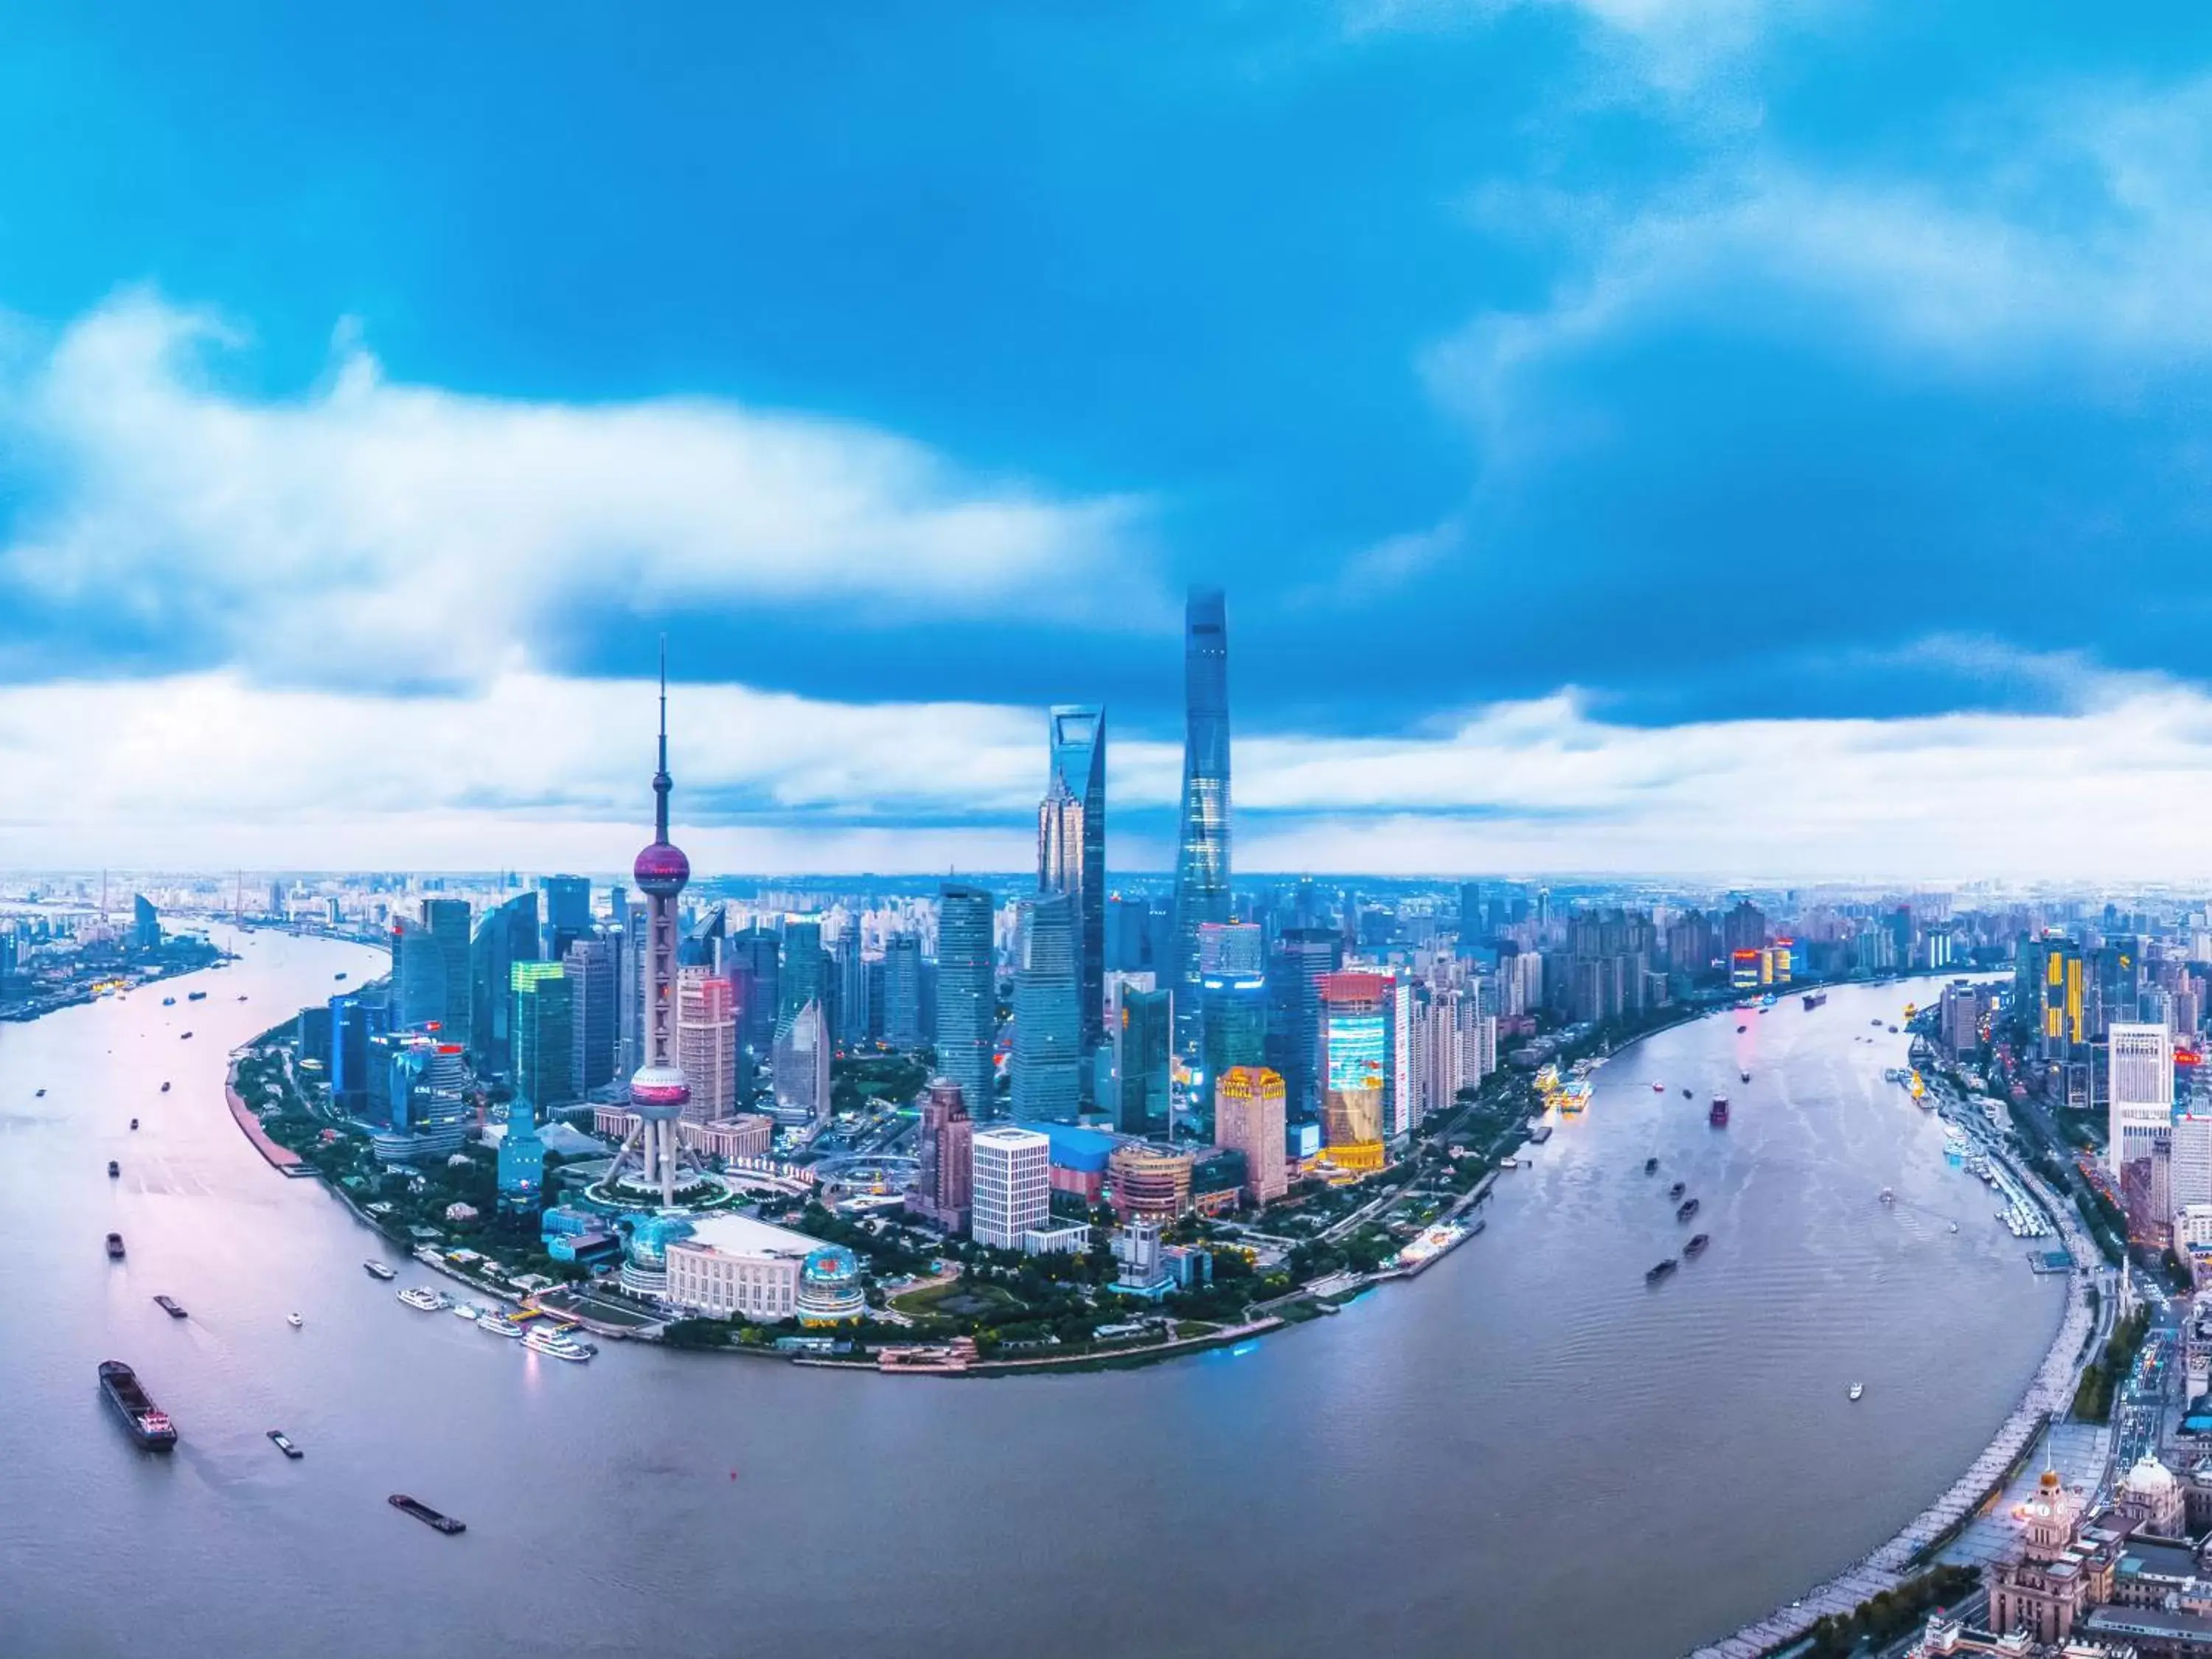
x: 661, y: 782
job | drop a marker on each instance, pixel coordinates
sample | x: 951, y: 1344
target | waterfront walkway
x: 2047, y: 1398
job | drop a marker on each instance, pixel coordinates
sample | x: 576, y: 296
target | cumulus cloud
x: 535, y: 772
x: 410, y: 535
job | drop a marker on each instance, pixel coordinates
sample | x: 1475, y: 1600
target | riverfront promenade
x: 2047, y: 1398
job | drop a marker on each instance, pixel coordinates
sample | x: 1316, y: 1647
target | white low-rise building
x: 732, y: 1266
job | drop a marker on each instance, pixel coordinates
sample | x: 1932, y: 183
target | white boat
x: 1955, y: 1226
x: 538, y: 1340
x: 294, y: 1320
x: 499, y: 1326
x: 465, y: 1310
x: 418, y: 1297
x: 1857, y: 1388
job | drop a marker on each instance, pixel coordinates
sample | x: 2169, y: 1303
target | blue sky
x: 1632, y: 434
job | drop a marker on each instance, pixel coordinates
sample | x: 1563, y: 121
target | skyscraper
x: 506, y: 935
x: 1144, y: 1046
x: 657, y: 1090
x: 589, y: 965
x: 801, y: 1067
x: 448, y: 920
x: 801, y: 980
x: 902, y: 1010
x: 1302, y: 957
x: 1233, y: 999
x: 1049, y: 1053
x: 1358, y: 1011
x: 706, y: 1044
x: 1202, y: 853
x: 544, y: 1034
x: 568, y: 913
x: 1247, y: 1117
x: 419, y: 974
x: 2142, y: 1092
x: 1072, y: 848
x: 967, y: 994
x: 1010, y: 1185
x: 941, y: 1192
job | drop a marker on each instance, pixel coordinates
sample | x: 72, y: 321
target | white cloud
x: 533, y: 772
x: 408, y: 535
x: 2068, y: 236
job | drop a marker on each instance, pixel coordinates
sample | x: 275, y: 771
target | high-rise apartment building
x: 967, y: 995
x: 1072, y: 848
x: 1010, y: 1185
x: 1048, y: 1055
x: 706, y: 1044
x: 1202, y: 848
x: 1248, y: 1118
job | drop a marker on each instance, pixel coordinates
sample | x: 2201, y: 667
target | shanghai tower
x: 1202, y: 855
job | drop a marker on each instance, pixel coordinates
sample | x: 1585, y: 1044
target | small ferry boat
x: 498, y: 1325
x: 1697, y: 1244
x: 1658, y: 1088
x: 378, y: 1270
x: 115, y: 1247
x: 1508, y: 1162
x: 1676, y: 1190
x: 554, y: 1344
x: 40, y: 1094
x: 1887, y: 1196
x: 465, y: 1310
x: 1650, y: 1165
x: 1955, y: 1226
x: 196, y: 996
x: 422, y: 1512
x: 1686, y: 1094
x: 1741, y: 1030
x: 148, y: 1424
x: 169, y: 1305
x: 426, y: 1300
x: 1685, y: 1209
x: 114, y: 1168
x: 283, y: 1442
x: 1653, y: 1275
x: 1814, y: 999
x: 337, y: 977
x: 184, y: 1036
x: 165, y: 1082
x: 1743, y: 1077
x: 168, y: 1002
x: 1718, y: 1115
x: 1857, y: 1388
x: 294, y: 1320
x: 134, y: 1123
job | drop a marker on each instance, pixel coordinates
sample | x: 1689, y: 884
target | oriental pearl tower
x: 658, y: 1090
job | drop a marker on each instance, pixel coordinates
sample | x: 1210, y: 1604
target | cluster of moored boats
x: 539, y: 1335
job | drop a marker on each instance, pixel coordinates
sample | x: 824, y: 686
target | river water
x: 1526, y: 1451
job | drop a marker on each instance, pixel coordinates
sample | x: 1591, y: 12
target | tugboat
x: 283, y: 1443
x: 115, y: 1247
x: 1741, y: 1030
x: 165, y: 1082
x: 1653, y: 1275
x: 1685, y: 1209
x: 378, y: 1270
x: 1686, y: 1094
x: 1744, y: 1076
x: 1650, y: 1165
x: 1697, y: 1244
x: 134, y: 1123
x: 1676, y: 1190
x: 1718, y: 1115
x: 114, y: 1168
x: 148, y: 1424
x: 169, y: 1305
x: 422, y: 1512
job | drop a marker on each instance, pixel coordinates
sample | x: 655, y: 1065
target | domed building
x: 829, y: 1291
x: 2151, y: 1497
x: 645, y: 1261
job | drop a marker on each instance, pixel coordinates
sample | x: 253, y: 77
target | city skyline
x: 342, y: 553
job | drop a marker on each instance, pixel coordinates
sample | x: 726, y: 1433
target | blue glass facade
x: 1071, y: 846
x: 1202, y: 851
x: 1049, y: 1050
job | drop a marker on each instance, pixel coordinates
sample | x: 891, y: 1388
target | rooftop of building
x: 741, y: 1235
x: 1010, y: 1135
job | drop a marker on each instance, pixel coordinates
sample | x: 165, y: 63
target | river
x: 1525, y: 1451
